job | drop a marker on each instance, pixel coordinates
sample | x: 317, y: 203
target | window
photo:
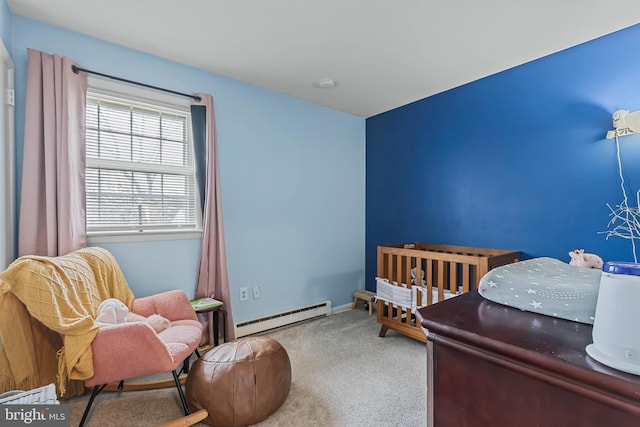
x: 140, y: 172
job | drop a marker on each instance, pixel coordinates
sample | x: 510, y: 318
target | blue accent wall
x: 517, y: 160
x: 292, y: 182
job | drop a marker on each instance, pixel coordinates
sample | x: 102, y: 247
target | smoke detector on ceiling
x: 325, y: 84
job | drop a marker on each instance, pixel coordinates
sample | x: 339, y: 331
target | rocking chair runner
x: 63, y: 294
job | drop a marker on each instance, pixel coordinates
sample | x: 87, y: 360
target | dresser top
x: 554, y: 346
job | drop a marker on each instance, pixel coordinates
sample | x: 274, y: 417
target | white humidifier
x: 616, y: 328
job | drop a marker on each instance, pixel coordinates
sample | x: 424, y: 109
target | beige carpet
x: 343, y: 375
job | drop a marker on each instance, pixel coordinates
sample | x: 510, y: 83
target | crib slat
x: 398, y: 310
x: 441, y: 282
x: 419, y: 271
x: 453, y: 277
x: 465, y: 277
x: 424, y: 280
x: 407, y: 271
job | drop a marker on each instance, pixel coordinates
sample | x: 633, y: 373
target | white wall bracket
x: 624, y: 123
x: 619, y: 132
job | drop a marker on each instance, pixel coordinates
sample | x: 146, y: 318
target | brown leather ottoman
x: 240, y: 382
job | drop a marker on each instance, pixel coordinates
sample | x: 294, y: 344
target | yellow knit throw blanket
x: 44, y: 298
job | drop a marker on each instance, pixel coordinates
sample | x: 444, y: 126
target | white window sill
x: 141, y: 236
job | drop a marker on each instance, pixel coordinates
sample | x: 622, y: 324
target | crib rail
x: 436, y: 272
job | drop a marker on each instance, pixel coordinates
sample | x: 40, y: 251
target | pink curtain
x: 52, y: 207
x: 213, y: 280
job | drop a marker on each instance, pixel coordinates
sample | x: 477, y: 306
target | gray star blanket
x: 546, y: 286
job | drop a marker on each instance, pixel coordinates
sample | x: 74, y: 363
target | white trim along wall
x: 7, y: 169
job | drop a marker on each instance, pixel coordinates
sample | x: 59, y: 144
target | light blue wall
x: 5, y: 23
x: 517, y: 160
x: 292, y: 176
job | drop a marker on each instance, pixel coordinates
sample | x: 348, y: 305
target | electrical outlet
x: 244, y: 294
x: 256, y: 292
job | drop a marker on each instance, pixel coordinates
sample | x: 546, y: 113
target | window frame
x: 162, y: 100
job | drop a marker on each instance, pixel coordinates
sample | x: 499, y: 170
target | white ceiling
x: 382, y: 53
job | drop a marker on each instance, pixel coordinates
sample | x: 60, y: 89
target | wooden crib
x: 414, y: 275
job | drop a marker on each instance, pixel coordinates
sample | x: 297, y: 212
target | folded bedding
x: 412, y: 297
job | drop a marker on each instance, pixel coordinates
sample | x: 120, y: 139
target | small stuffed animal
x: 157, y: 322
x: 113, y: 311
x: 581, y: 259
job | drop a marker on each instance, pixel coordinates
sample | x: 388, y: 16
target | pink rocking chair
x: 131, y: 350
x: 53, y: 297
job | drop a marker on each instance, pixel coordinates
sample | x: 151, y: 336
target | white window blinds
x: 140, y: 172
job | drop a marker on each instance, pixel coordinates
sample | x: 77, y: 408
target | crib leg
x: 383, y: 331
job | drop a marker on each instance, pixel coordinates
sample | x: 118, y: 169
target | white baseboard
x: 341, y: 308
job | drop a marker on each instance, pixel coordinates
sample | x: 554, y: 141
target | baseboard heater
x: 283, y: 319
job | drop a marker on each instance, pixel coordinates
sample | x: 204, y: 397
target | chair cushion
x: 182, y: 338
x: 131, y: 350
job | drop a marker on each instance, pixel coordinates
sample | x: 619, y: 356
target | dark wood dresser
x: 493, y: 365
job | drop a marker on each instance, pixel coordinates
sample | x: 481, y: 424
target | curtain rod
x: 120, y: 79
